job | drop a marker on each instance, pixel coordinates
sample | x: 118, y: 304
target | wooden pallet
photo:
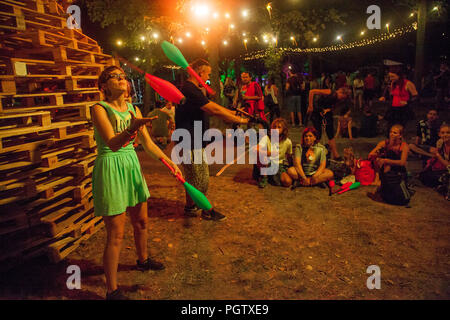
x: 15, y: 120
x: 12, y: 221
x: 62, y: 248
x: 31, y: 18
x: 13, y: 138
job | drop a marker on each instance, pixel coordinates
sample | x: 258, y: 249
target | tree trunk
x: 420, y: 43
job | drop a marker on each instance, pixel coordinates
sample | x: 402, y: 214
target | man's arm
x: 314, y: 92
x: 216, y: 110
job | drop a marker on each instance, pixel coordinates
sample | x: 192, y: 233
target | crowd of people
x: 119, y: 185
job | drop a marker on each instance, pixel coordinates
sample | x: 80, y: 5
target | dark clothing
x: 428, y: 135
x: 295, y: 86
x: 191, y: 111
x: 325, y: 102
x: 368, y: 126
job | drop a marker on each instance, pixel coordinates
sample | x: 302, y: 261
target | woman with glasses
x: 118, y: 183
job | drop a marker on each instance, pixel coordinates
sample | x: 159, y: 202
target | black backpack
x: 394, y: 189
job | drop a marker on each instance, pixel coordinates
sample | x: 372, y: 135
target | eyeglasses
x: 118, y: 76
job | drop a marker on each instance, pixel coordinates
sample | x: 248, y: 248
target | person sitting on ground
x: 344, y: 125
x: 438, y: 166
x: 390, y: 158
x: 310, y: 161
x: 159, y: 128
x: 280, y: 152
x: 368, y: 123
x: 427, y: 135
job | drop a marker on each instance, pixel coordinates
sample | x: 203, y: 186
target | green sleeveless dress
x: 117, y: 178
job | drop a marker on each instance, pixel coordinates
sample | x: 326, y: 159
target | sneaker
x: 191, y: 212
x: 116, y: 295
x: 149, y: 264
x: 262, y: 182
x: 213, y: 215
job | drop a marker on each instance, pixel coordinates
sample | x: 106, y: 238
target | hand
x: 382, y: 99
x: 137, y: 123
x: 381, y: 162
x: 243, y: 121
x: 305, y: 181
x: 309, y: 110
x: 177, y: 170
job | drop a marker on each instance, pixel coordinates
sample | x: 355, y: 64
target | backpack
x: 394, y: 189
x: 364, y: 173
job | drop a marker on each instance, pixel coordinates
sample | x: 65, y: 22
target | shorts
x: 294, y: 103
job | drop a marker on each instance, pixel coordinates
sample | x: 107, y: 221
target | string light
x: 227, y: 15
x: 143, y: 38
x: 360, y: 43
x: 245, y: 13
x: 119, y: 43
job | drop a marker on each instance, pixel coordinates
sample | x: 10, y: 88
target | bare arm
x: 314, y: 92
x: 103, y: 125
x: 379, y: 146
x: 214, y: 109
x: 151, y: 148
x: 403, y: 159
x: 350, y: 130
x: 338, y: 130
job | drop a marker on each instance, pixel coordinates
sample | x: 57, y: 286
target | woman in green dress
x: 118, y: 183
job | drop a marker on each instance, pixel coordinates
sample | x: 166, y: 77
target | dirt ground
x: 276, y: 243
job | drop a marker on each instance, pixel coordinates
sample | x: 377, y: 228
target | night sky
x: 403, y: 49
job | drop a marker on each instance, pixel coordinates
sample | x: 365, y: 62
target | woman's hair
x: 444, y: 125
x: 104, y: 76
x: 284, y: 131
x: 313, y: 131
x: 399, y: 127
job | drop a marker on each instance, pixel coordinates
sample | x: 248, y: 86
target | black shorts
x: 317, y: 121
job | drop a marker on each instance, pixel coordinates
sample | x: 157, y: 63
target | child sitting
x: 280, y: 152
x: 344, y: 125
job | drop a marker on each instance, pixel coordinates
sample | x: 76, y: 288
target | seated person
x: 427, y: 135
x: 159, y: 129
x: 344, y: 125
x: 310, y: 161
x: 437, y: 166
x: 280, y: 152
x: 368, y: 124
x: 389, y: 158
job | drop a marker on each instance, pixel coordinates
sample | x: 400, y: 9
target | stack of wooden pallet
x: 48, y: 76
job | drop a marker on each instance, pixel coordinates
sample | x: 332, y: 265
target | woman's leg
x: 114, y: 235
x: 326, y: 175
x: 292, y: 173
x: 139, y: 221
x: 286, y: 180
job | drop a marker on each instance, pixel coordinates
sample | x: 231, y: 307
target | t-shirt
x: 358, y: 84
x: 369, y: 83
x: 191, y: 111
x: 295, y: 86
x: 428, y: 135
x: 278, y: 149
x: 312, y: 158
x: 159, y: 126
